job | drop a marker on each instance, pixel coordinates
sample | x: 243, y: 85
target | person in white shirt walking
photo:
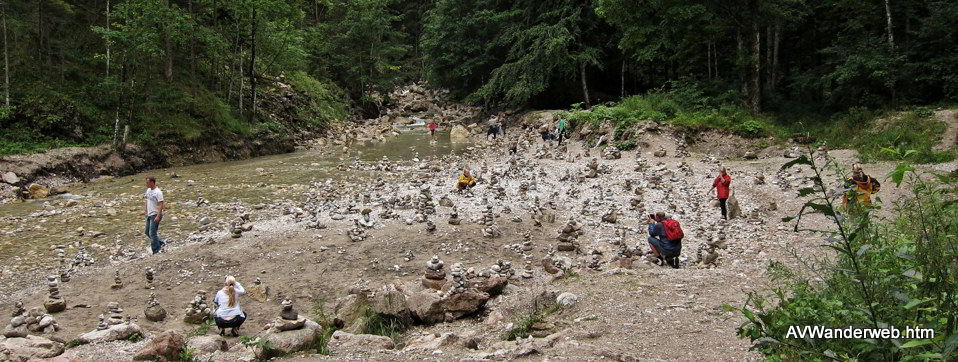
x: 228, y: 311
x: 154, y: 213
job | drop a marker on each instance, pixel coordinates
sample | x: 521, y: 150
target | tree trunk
x: 715, y: 59
x: 40, y: 34
x: 6, y: 63
x: 108, y: 41
x: 773, y: 81
x: 891, y: 35
x: 192, y: 50
x: 585, y: 86
x: 168, y: 48
x: 622, y: 78
x: 755, y: 97
x: 252, y: 68
x: 708, y: 58
x: 741, y: 60
x: 768, y: 55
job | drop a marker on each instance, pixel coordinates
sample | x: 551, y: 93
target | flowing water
x: 114, y: 206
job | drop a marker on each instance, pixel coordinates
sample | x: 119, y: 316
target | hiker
x: 153, y: 213
x: 721, y: 184
x: 546, y: 135
x: 493, y: 127
x: 560, y: 130
x: 228, y: 311
x: 864, y: 187
x: 502, y: 124
x: 432, y: 128
x: 466, y: 181
x: 665, y: 239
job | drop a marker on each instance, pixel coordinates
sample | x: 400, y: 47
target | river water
x: 107, y: 213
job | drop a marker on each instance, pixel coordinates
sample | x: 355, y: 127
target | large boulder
x: 426, y: 307
x: 734, y: 209
x: 167, y: 346
x: 391, y: 302
x: 350, y: 311
x: 38, y: 191
x: 493, y: 286
x: 431, y: 342
x: 116, y: 332
x: 342, y: 342
x: 207, y: 344
x: 11, y: 178
x: 462, y: 304
x: 281, y: 343
x: 22, y: 349
x: 459, y: 133
x: 155, y: 313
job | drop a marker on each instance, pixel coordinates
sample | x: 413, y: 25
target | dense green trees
x: 75, y: 66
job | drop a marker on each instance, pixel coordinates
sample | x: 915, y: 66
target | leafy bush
x: 898, y: 274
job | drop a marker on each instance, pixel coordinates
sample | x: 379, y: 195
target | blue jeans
x: 666, y: 249
x: 151, y: 227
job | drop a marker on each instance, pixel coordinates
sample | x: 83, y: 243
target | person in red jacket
x: 722, y: 183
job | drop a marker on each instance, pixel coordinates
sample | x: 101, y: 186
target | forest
x: 75, y: 72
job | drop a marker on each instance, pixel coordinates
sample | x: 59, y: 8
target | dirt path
x: 950, y: 117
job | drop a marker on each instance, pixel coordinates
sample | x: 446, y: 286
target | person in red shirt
x: 722, y: 183
x: 432, y: 128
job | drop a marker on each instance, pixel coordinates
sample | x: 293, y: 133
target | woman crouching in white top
x: 228, y: 311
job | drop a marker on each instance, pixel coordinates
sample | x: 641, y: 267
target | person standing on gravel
x: 721, y: 184
x: 560, y: 130
x: 153, y: 213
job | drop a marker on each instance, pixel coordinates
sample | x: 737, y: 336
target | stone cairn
x: 197, y: 310
x: 592, y: 169
x: 527, y: 245
x: 424, y: 204
x: 26, y: 322
x: 681, y: 149
x: 82, y: 258
x: 61, y: 258
x: 611, y: 153
x: 502, y: 269
x: 490, y: 229
x: 357, y: 233
x: 149, y: 279
x: 459, y: 280
x: 430, y: 226
x: 55, y: 302
x: 116, y: 314
x: 527, y: 270
x: 101, y: 323
x: 567, y: 236
x: 289, y: 318
x: 154, y: 312
x: 640, y: 163
x: 365, y: 220
x: 660, y: 152
x: 454, y: 218
x: 240, y: 225
x: 434, y: 275
x: 117, y: 282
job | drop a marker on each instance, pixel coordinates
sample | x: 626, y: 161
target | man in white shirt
x: 154, y: 213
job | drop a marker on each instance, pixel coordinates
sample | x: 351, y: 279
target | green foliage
x: 75, y: 343
x: 321, y: 344
x: 187, y: 355
x: 383, y: 325
x: 896, y: 274
x: 255, y: 342
x: 626, y: 145
x: 537, y: 312
x: 202, y: 329
x: 135, y: 337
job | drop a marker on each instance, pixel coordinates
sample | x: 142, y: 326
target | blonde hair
x: 230, y: 289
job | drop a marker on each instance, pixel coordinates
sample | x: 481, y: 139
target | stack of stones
x: 117, y: 282
x: 595, y: 260
x: 241, y: 224
x: 101, y: 323
x: 681, y: 150
x: 490, y: 229
x: 501, y: 269
x: 527, y: 271
x: 430, y: 226
x: 289, y: 319
x: 425, y: 205
x: 611, y: 153
x: 660, y: 152
x: 34, y: 321
x: 116, y: 314
x: 55, y: 302
x: 82, y: 258
x: 459, y: 280
x: 197, y: 310
x: 523, y: 187
x: 154, y: 312
x: 567, y: 236
x: 527, y: 245
x: 149, y: 279
x: 357, y: 233
x: 640, y: 163
x: 434, y: 275
x: 454, y: 218
x: 365, y: 220
x: 592, y: 169
x: 61, y: 258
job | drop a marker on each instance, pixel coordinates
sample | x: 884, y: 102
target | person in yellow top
x: 864, y: 187
x: 466, y: 181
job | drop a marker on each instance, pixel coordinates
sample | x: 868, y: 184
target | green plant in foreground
x: 75, y: 343
x: 899, y: 274
x: 536, y: 313
x: 187, y: 355
x: 382, y: 325
x: 202, y: 329
x: 135, y: 337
